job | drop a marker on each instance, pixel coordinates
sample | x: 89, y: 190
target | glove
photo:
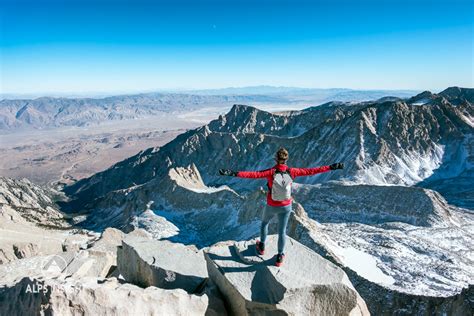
x: 335, y: 166
x: 227, y: 172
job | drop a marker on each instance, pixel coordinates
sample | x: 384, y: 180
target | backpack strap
x: 273, y: 176
x: 287, y: 171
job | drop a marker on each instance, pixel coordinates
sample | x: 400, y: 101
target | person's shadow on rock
x: 264, y: 287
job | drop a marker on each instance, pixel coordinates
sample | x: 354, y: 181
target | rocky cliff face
x: 31, y: 224
x: 34, y: 203
x: 178, y: 206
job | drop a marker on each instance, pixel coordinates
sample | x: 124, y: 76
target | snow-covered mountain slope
x: 423, y: 245
x: 179, y: 207
x: 398, y: 268
x: 381, y: 143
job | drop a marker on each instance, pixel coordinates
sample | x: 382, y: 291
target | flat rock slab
x: 161, y: 263
x: 307, y: 284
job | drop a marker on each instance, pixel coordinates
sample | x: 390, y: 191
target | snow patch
x: 208, y: 189
x: 409, y: 169
x: 363, y: 263
x: 158, y: 226
x: 369, y: 123
x: 468, y: 119
x: 421, y: 102
x: 432, y: 261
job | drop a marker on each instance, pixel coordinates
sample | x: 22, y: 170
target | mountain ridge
x: 372, y: 137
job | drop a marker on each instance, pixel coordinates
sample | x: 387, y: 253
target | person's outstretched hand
x: 338, y: 165
x: 227, y: 172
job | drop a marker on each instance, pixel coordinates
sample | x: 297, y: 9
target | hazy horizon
x: 210, y: 91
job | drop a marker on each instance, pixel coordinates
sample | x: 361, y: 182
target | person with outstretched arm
x: 279, y: 201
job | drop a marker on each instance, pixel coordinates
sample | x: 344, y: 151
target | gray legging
x: 283, y: 213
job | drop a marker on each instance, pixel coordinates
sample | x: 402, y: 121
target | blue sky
x: 126, y: 46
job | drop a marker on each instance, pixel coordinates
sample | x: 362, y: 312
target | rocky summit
x: 166, y: 278
x: 306, y: 285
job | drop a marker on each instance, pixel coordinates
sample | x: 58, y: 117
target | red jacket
x: 268, y: 173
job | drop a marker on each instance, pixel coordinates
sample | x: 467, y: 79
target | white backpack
x: 281, y: 187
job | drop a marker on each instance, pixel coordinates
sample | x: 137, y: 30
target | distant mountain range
x: 47, y: 112
x: 282, y: 90
x: 55, y: 112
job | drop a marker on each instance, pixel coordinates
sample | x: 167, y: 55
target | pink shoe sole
x: 257, y: 248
